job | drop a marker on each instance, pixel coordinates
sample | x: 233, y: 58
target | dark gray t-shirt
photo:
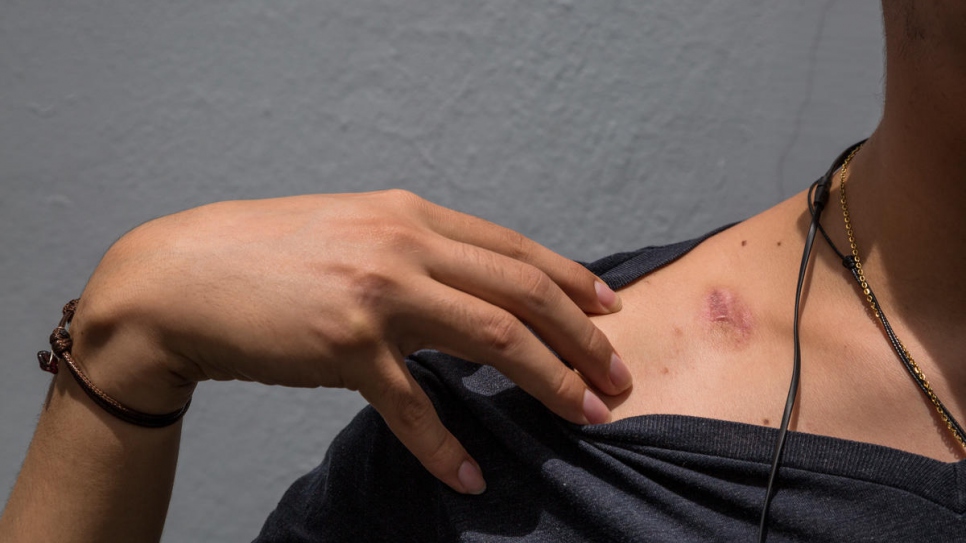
x: 648, y: 478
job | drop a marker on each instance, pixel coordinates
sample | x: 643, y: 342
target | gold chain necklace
x: 856, y: 265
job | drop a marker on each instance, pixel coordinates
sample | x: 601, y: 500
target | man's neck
x: 907, y: 188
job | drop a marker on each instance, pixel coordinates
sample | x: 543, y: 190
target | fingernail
x: 607, y: 297
x: 471, y: 478
x: 594, y: 409
x: 620, y: 375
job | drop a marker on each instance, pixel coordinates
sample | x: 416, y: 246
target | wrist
x: 121, y: 358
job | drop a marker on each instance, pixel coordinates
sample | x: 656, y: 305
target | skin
x: 710, y: 335
x: 727, y: 318
x: 693, y: 354
x: 314, y: 291
x: 706, y: 336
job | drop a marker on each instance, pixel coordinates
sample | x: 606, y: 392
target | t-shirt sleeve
x: 368, y: 488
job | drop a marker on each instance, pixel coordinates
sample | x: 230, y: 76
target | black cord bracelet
x: 61, y: 344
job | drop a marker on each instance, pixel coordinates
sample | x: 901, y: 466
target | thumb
x: 410, y: 415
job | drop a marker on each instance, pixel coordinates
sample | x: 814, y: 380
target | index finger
x: 588, y: 291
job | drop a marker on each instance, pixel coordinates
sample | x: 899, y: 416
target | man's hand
x: 335, y: 291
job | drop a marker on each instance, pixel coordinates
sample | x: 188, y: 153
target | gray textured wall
x: 590, y: 126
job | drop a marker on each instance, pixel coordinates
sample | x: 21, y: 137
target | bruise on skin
x: 727, y: 318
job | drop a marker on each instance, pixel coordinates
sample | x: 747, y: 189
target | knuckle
x: 502, y: 332
x: 517, y: 245
x: 474, y: 258
x: 596, y: 342
x: 354, y: 331
x: 396, y: 235
x: 411, y: 413
x: 366, y: 301
x: 562, y: 383
x: 538, y: 290
x: 371, y: 287
x: 402, y: 197
x: 435, y: 454
x: 576, y: 274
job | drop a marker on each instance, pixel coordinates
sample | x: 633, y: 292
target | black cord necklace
x: 854, y: 264
x: 818, y: 195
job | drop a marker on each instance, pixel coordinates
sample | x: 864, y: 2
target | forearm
x: 315, y: 291
x: 90, y: 477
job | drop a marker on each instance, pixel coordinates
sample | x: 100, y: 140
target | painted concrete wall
x: 589, y: 126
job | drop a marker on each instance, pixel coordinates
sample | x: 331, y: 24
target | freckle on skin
x: 665, y: 370
x: 765, y: 422
x: 744, y: 242
x: 779, y: 244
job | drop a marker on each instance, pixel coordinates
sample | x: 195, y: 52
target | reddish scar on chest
x: 727, y: 317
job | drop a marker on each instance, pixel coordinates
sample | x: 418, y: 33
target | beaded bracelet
x: 61, y: 344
